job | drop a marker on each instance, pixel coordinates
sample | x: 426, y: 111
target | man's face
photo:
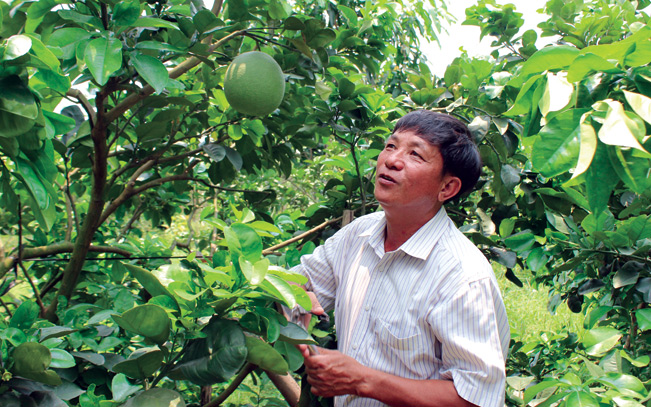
x: 410, y: 175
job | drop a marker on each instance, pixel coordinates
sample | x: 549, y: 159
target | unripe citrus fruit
x: 254, y: 84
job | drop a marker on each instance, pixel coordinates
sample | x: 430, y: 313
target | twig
x: 76, y: 93
x: 50, y: 285
x: 250, y: 367
x: 6, y: 308
x: 39, y: 301
x: 301, y: 236
x: 179, y: 70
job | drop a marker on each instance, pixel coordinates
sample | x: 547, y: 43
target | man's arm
x: 331, y: 373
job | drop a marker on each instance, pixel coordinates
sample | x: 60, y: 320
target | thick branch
x: 95, y: 205
x: 76, y: 93
x: 58, y: 248
x: 179, y: 70
x: 287, y: 386
x: 231, y: 387
x: 127, y: 192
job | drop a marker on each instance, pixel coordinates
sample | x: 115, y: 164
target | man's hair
x: 455, y: 143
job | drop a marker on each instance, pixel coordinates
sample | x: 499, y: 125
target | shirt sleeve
x: 474, y: 333
x: 319, y: 268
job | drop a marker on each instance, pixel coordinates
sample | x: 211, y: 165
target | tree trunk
x: 91, y: 221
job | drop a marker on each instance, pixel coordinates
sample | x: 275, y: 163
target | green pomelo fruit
x: 254, y: 84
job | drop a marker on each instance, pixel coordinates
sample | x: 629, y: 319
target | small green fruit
x: 254, y: 84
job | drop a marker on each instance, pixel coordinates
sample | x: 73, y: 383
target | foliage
x: 148, y: 138
x: 114, y: 125
x: 572, y: 204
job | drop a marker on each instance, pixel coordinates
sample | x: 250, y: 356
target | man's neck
x: 403, y: 225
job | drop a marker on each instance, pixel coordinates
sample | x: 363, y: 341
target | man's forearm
x: 400, y: 392
x: 331, y: 373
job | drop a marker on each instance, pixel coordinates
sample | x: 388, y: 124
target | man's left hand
x: 331, y: 373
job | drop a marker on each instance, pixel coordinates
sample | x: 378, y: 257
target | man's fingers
x: 317, y: 309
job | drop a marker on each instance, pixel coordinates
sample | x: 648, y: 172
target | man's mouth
x: 386, y: 177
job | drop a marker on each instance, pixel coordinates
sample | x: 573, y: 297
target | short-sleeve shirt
x: 431, y: 309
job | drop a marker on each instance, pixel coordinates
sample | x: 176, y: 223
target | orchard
x: 165, y: 163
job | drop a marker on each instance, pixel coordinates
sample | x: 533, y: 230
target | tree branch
x: 76, y: 93
x: 179, y: 70
x: 301, y: 236
x: 231, y: 387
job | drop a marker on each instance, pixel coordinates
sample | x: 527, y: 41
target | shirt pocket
x: 408, y: 348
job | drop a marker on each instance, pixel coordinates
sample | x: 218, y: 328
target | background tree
x: 149, y: 163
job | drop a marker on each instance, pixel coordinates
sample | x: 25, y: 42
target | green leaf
x: 141, y: 364
x: 43, y: 53
x: 265, y: 356
x: 588, y: 146
x: 103, y: 57
x: 61, y: 359
x: 17, y: 46
x: 581, y: 399
x: 291, y: 353
x: 531, y: 392
x: 122, y: 388
x: 598, y: 341
x: 156, y: 397
x: 322, y: 38
x: 17, y: 100
x: 521, y: 241
x: 151, y: 70
x: 278, y: 9
x: 244, y: 241
x: 148, y: 281
x: 294, y: 334
x: 279, y: 289
x: 205, y: 20
x: 557, y: 95
x: 630, y: 168
x: 82, y: 19
x: 618, y: 128
x: 628, y: 385
x: 24, y: 316
x: 556, y: 148
x: 601, y: 179
x: 546, y: 59
x: 254, y: 272
x: 55, y: 332
x: 126, y: 13
x: 628, y: 274
x: 151, y: 22
x: 349, y: 14
x: 587, y: 63
x: 31, y: 361
x: 643, y: 317
x: 67, y: 39
x: 294, y: 24
x: 218, y: 356
x: 148, y: 320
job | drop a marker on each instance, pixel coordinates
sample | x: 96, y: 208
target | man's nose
x: 394, y: 160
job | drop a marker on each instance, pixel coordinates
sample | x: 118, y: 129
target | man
x: 420, y: 320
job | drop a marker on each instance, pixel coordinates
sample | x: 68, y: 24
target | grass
x: 526, y: 308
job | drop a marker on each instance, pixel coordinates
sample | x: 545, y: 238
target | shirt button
x: 368, y: 307
x: 354, y: 347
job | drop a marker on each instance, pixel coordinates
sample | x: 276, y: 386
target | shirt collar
x: 420, y: 245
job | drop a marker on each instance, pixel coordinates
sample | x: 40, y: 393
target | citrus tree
x: 116, y: 121
x: 564, y: 138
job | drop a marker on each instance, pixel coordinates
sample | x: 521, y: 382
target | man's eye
x: 388, y: 146
x: 414, y: 153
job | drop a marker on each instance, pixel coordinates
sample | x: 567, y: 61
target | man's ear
x: 450, y: 187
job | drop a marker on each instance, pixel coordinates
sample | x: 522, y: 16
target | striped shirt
x: 431, y: 309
